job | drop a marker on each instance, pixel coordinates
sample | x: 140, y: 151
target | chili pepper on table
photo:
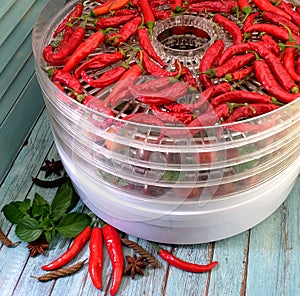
x: 108, y: 7
x: 115, y: 252
x: 70, y: 18
x: 69, y: 47
x: 229, y: 26
x: 208, y: 60
x: 245, y: 8
x: 148, y: 15
x: 78, y: 243
x: 107, y: 78
x: 121, y: 88
x: 239, y: 74
x: 183, y: 265
x: 267, y: 6
x: 275, y: 65
x: 146, y: 45
x: 213, y: 6
x: 84, y: 49
x: 233, y: 64
x: 265, y: 77
x: 99, y: 61
x: 114, y: 21
x: 125, y: 32
x: 66, y: 79
x: 96, y: 257
x: 289, y: 60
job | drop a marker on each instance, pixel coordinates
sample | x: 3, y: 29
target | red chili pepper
x: 115, y: 252
x: 148, y: 15
x: 154, y: 85
x: 171, y: 117
x: 250, y: 20
x: 290, y: 11
x: 279, y: 20
x: 48, y: 57
x: 242, y: 96
x: 68, y: 31
x: 184, y: 265
x: 161, y: 14
x: 66, y: 79
x: 209, y: 59
x: 70, y: 46
x: 109, y: 6
x: 146, y: 45
x: 176, y: 6
x: 245, y: 7
x: 188, y: 77
x: 277, y: 68
x: 99, y: 61
x: 70, y: 18
x: 267, y: 80
x: 239, y: 74
x: 232, y: 50
x: 96, y: 257
x: 250, y: 110
x: 112, y: 22
x: 233, y: 64
x: 83, y: 50
x: 106, y: 79
x: 126, y: 31
x: 267, y: 6
x: 273, y: 45
x: 124, y: 11
x: 231, y: 27
x: 97, y: 105
x: 78, y: 243
x: 213, y: 6
x: 127, y: 79
x: 289, y: 60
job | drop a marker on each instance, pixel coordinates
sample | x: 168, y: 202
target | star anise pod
x: 135, y: 265
x: 52, y: 167
x: 38, y: 247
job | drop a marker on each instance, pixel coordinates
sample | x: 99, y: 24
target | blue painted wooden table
x: 261, y: 261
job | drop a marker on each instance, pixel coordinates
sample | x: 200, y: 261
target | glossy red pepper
x: 125, y: 11
x: 289, y: 60
x: 189, y: 78
x: 265, y: 77
x: 68, y: 31
x: 245, y: 7
x: 239, y: 74
x: 109, y: 6
x: 112, y: 22
x: 229, y: 26
x: 276, y: 67
x: 48, y: 57
x: 96, y: 257
x: 171, y: 117
x: 77, y: 245
x: 66, y: 79
x: 273, y: 45
x: 294, y: 15
x: 233, y: 64
x: 148, y: 15
x: 209, y: 59
x: 232, y: 50
x: 267, y: 6
x: 161, y: 14
x: 106, y: 79
x: 176, y: 6
x: 70, y: 18
x: 115, y: 252
x: 99, y: 61
x: 83, y: 50
x: 154, y: 85
x: 146, y: 45
x: 69, y: 47
x: 213, y: 6
x: 249, y: 21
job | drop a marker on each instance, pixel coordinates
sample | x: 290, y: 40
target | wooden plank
x: 13, y: 16
x: 18, y: 123
x: 9, y: 50
x: 274, y: 251
x: 5, y: 6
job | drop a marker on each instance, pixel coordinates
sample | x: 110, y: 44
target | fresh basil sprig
x: 38, y: 218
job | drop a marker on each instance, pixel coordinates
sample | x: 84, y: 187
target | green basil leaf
x: 72, y: 224
x: 16, y: 211
x: 62, y: 201
x: 40, y: 206
x: 28, y: 230
x: 49, y: 235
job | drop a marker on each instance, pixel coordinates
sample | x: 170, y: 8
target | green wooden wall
x: 20, y: 96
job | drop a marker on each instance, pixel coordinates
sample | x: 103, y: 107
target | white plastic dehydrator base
x: 183, y: 224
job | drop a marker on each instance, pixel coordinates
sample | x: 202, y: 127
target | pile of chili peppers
x: 96, y: 235
x: 265, y: 48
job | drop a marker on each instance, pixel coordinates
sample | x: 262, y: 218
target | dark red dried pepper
x: 114, y: 21
x: 229, y: 26
x: 294, y: 15
x: 232, y: 50
x: 209, y: 59
x: 161, y: 14
x: 124, y: 11
x: 267, y: 6
x: 250, y: 20
x: 68, y: 31
x: 289, y: 60
x: 239, y: 74
x: 213, y: 6
x: 77, y: 245
x: 96, y: 257
x: 172, y: 117
x: 83, y: 50
x: 114, y: 248
x: 273, y: 45
x: 148, y: 15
